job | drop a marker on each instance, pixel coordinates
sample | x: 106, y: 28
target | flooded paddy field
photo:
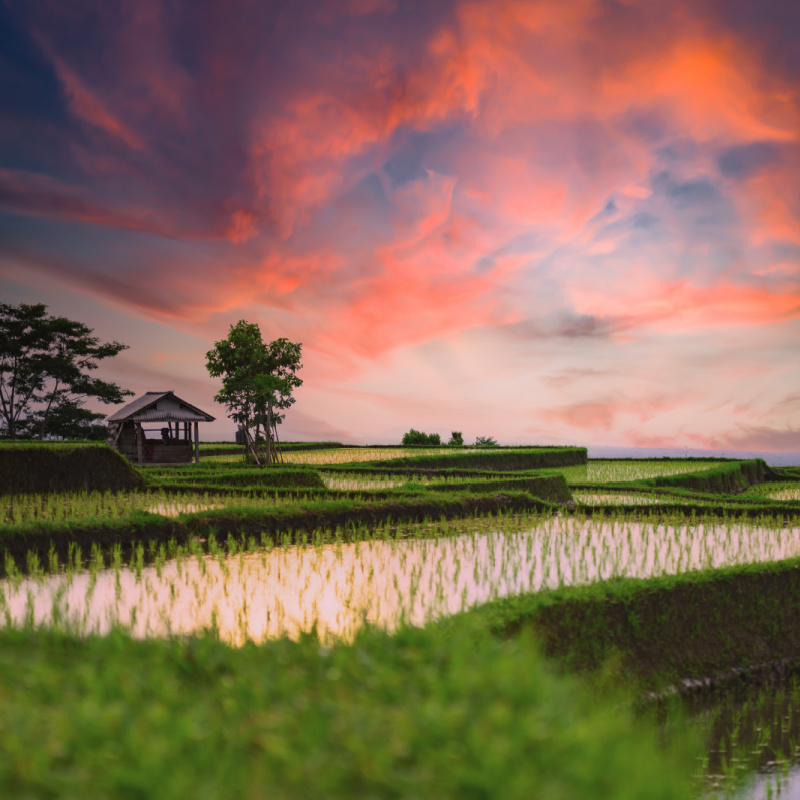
x: 750, y: 734
x: 104, y: 506
x: 346, y: 481
x: 600, y: 471
x: 601, y: 498
x: 350, y: 584
x: 344, y: 455
x: 335, y: 587
x: 779, y: 490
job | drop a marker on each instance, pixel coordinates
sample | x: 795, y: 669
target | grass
x: 667, y: 628
x: 409, y: 715
x: 44, y: 467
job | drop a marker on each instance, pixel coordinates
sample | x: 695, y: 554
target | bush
x: 414, y: 437
x: 486, y: 441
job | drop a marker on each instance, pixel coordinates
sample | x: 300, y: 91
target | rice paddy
x: 83, y: 506
x: 600, y: 471
x: 340, y: 584
x: 355, y: 455
x: 751, y: 739
x: 344, y: 455
x: 335, y: 588
x: 348, y: 482
x: 784, y: 491
x: 619, y: 498
x: 345, y: 481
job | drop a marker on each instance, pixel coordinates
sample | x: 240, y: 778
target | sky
x: 549, y: 221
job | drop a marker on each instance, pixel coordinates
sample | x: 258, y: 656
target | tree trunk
x: 46, y: 413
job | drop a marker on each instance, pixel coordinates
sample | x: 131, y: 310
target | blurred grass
x: 413, y: 715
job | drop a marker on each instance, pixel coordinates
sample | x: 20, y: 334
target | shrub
x: 415, y: 437
x: 486, y: 441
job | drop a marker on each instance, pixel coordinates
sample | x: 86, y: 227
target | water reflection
x: 751, y: 734
x: 335, y: 587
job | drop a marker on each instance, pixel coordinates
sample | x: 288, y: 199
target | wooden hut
x: 157, y: 428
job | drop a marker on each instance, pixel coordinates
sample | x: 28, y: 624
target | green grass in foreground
x: 414, y: 715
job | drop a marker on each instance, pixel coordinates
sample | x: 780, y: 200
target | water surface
x: 433, y: 571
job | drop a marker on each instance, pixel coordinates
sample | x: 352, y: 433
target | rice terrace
x: 399, y: 400
x: 279, y: 604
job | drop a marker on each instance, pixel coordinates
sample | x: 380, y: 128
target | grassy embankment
x: 667, y: 629
x: 44, y: 467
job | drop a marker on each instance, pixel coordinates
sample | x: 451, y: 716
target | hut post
x: 139, y: 443
x: 196, y: 443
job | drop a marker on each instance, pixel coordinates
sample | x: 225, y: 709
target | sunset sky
x: 566, y: 221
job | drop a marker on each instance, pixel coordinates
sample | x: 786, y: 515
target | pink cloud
x: 566, y: 184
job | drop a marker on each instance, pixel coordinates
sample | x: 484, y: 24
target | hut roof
x: 160, y: 407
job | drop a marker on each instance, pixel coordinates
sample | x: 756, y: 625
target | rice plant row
x: 600, y: 471
x: 256, y: 593
x: 74, y: 506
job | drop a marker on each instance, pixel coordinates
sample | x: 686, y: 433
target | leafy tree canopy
x: 486, y: 441
x: 456, y: 439
x: 45, y: 374
x: 418, y: 437
x: 257, y: 378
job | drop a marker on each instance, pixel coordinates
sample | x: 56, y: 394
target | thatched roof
x: 159, y: 407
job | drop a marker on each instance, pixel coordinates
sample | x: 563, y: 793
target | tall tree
x: 257, y: 379
x: 45, y: 366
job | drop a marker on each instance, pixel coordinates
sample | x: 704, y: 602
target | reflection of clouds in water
x: 286, y: 590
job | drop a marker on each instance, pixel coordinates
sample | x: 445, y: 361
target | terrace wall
x: 33, y: 467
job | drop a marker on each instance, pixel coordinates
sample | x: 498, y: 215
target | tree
x: 485, y: 441
x: 419, y: 438
x: 456, y: 439
x: 257, y: 381
x: 45, y: 363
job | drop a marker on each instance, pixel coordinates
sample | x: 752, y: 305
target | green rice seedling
x: 353, y: 455
x: 611, y: 471
x: 624, y: 498
x: 750, y: 734
x: 784, y: 491
x: 345, y: 482
x: 103, y: 506
x: 417, y: 574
